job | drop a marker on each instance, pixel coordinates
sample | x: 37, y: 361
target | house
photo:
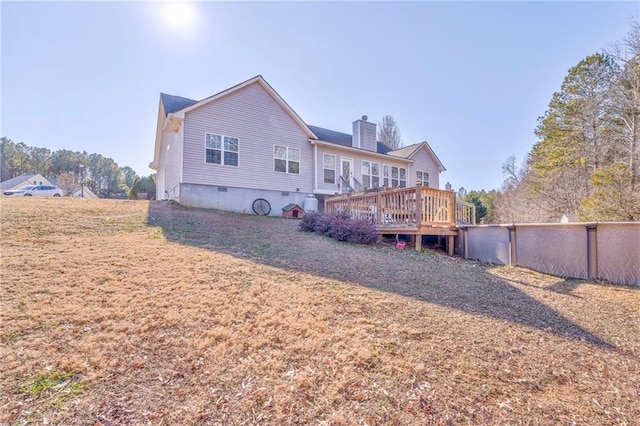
x: 83, y: 192
x: 22, y: 180
x: 71, y: 189
x: 246, y: 143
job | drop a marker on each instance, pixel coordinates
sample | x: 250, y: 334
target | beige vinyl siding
x: 425, y: 163
x: 170, y: 162
x: 357, y: 158
x: 259, y: 122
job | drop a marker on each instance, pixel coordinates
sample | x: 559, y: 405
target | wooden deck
x: 415, y: 211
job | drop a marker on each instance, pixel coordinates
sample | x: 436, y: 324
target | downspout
x: 181, y: 169
x: 315, y: 167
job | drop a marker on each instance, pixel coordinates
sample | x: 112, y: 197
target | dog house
x: 292, y: 211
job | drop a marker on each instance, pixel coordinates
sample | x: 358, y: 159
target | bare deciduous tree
x: 389, y: 133
x: 67, y: 181
x: 626, y: 96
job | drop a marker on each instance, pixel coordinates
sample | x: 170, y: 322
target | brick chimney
x: 364, y: 135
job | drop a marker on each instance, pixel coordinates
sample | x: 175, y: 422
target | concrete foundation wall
x: 239, y: 200
x: 606, y: 251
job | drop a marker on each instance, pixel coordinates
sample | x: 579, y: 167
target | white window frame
x: 386, y: 175
x: 287, y: 159
x: 324, y: 168
x: 397, y: 182
x: 420, y: 177
x: 222, y: 149
x: 370, y: 176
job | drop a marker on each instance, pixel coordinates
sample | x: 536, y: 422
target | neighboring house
x: 76, y: 191
x: 247, y: 143
x: 22, y: 180
x: 84, y: 192
x: 569, y: 218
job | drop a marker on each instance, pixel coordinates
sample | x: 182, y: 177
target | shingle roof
x: 331, y: 136
x: 382, y: 148
x: 175, y: 103
x: 405, y: 151
x: 10, y: 183
x: 408, y: 151
x: 342, y: 139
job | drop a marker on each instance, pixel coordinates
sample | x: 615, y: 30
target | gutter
x: 360, y: 151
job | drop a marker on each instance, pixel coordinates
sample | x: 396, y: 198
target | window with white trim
x: 385, y: 175
x: 286, y: 160
x: 422, y: 178
x: 398, y: 177
x: 370, y: 174
x: 220, y: 149
x: 329, y: 168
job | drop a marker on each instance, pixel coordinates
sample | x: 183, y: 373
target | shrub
x: 363, y: 232
x: 323, y: 225
x: 340, y: 226
x: 309, y: 221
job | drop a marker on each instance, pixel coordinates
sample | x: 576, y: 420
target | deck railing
x: 418, y: 206
x: 465, y: 213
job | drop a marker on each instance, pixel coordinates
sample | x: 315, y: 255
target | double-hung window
x: 286, y: 160
x: 422, y: 178
x: 398, y: 177
x: 370, y: 174
x: 220, y: 149
x: 329, y: 161
x: 385, y: 175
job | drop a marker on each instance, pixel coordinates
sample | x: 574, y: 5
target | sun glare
x: 180, y: 16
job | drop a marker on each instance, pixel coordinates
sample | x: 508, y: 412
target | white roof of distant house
x: 25, y: 179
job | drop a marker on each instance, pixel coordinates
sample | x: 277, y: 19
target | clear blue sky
x: 470, y: 78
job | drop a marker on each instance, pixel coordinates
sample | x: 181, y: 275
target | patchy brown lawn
x: 128, y: 312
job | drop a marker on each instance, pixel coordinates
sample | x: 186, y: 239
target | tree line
x: 72, y: 169
x: 585, y: 162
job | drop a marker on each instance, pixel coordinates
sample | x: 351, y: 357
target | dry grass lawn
x: 128, y: 312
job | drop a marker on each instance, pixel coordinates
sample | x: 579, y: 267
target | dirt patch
x: 129, y: 312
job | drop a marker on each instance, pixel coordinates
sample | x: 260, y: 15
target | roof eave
x: 357, y: 150
x: 260, y: 80
x: 159, y: 127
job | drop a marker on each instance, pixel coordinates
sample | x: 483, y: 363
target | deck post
x: 419, y: 242
x: 419, y: 204
x: 513, y: 245
x: 592, y: 251
x: 451, y: 245
x: 465, y: 241
x: 378, y: 207
x: 452, y: 208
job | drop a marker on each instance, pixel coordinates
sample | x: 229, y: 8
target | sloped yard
x: 128, y: 312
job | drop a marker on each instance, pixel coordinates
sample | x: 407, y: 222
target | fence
x: 607, y: 251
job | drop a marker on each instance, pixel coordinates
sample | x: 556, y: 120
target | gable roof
x: 175, y: 103
x: 405, y: 151
x: 10, y: 183
x: 266, y: 86
x: 175, y: 107
x: 343, y: 139
x: 409, y: 151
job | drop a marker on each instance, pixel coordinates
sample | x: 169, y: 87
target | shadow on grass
x: 445, y: 281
